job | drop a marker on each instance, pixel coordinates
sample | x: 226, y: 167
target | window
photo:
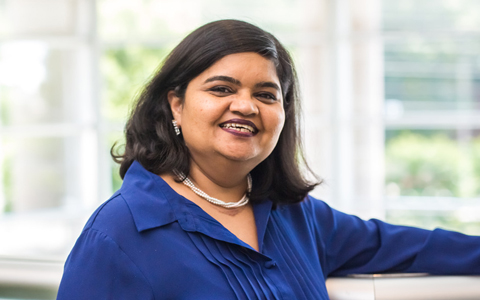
x: 50, y: 131
x: 432, y: 104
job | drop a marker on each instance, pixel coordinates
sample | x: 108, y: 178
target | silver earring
x: 175, y: 126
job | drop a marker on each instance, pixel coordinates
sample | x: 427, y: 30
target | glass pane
x: 431, y: 75
x: 38, y: 18
x: 3, y: 19
x: 433, y: 163
x: 35, y: 82
x: 168, y: 19
x: 431, y: 15
x: 40, y: 234
x: 42, y: 213
x: 33, y: 171
x: 432, y: 55
x: 433, y: 178
x: 458, y: 219
x: 125, y: 72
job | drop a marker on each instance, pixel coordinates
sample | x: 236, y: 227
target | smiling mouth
x: 240, y: 127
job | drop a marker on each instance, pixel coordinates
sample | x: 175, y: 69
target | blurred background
x: 390, y: 91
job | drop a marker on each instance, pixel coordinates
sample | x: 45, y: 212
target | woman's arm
x: 98, y: 269
x: 350, y: 245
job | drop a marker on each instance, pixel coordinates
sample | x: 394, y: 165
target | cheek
x: 279, y: 120
x: 276, y: 122
x: 204, y: 107
x: 195, y: 114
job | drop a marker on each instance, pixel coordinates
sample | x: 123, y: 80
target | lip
x: 242, y: 122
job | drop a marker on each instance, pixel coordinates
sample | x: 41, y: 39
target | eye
x: 221, y: 90
x: 264, y: 96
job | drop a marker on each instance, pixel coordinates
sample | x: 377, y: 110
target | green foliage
x: 433, y: 165
x: 117, y: 139
x: 125, y: 72
x: 426, y: 164
x: 476, y: 158
x: 116, y: 179
x: 7, y: 182
x: 5, y: 104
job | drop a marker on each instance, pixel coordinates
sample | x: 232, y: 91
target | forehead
x: 246, y: 65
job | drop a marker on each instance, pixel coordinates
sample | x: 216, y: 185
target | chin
x: 244, y: 158
x: 243, y: 154
x: 238, y: 157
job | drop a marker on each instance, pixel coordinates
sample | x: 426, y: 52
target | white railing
x: 404, y: 287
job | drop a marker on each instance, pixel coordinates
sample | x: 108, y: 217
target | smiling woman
x: 219, y: 123
x: 231, y: 114
x: 217, y: 65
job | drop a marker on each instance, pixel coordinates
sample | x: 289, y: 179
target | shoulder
x: 98, y: 268
x: 321, y: 218
x: 112, y: 221
x: 310, y: 208
x: 309, y: 215
x: 112, y: 213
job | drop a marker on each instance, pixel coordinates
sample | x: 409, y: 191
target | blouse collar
x: 153, y: 203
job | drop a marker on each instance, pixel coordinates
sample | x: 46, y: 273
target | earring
x: 175, y: 126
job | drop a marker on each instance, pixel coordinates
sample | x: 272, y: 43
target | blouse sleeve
x: 350, y: 245
x: 98, y: 269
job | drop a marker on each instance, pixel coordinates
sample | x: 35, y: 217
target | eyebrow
x: 223, y: 78
x: 237, y: 82
x: 268, y: 84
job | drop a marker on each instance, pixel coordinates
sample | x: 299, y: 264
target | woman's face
x: 234, y: 110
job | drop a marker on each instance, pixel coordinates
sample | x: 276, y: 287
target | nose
x: 244, y: 104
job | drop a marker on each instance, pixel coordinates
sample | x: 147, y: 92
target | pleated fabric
x: 283, y: 269
x: 244, y: 275
x: 304, y: 279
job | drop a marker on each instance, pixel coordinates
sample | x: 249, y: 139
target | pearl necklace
x: 216, y: 201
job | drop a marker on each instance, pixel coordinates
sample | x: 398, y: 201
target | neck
x: 228, y: 186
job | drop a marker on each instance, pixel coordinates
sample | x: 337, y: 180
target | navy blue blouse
x: 148, y: 242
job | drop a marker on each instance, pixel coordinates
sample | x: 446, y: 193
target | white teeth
x: 239, y: 127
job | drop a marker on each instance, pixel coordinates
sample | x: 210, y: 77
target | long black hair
x: 151, y: 140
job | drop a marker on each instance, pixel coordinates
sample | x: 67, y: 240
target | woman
x: 214, y: 205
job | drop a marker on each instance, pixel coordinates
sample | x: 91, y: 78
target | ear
x: 176, y: 105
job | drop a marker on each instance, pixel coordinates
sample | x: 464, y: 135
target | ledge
x: 404, y: 287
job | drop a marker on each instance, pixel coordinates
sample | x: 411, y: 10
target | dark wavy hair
x: 150, y: 137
